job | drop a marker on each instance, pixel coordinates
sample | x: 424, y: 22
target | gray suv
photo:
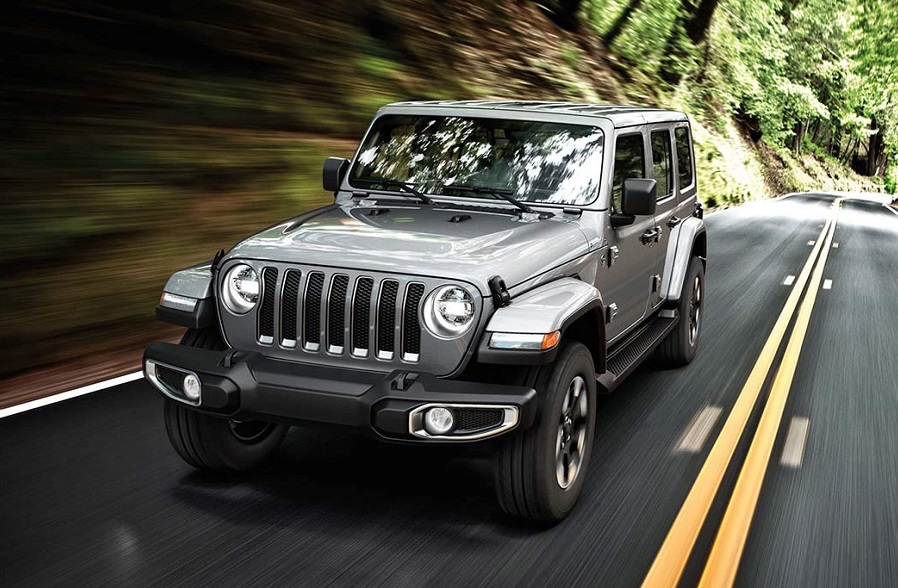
x: 485, y: 270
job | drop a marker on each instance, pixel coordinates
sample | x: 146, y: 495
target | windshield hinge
x: 501, y: 296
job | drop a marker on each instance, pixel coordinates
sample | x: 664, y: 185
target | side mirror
x: 335, y: 169
x: 638, y: 198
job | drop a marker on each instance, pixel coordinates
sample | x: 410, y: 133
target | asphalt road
x: 92, y: 494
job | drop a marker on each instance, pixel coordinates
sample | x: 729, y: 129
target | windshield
x: 535, y: 161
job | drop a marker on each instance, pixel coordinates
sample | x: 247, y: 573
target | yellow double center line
x: 723, y: 562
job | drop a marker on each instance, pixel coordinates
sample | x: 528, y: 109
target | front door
x: 625, y: 281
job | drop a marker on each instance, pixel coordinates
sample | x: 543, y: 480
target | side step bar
x: 624, y: 357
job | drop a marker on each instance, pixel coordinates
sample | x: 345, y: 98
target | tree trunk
x: 796, y: 138
x: 874, y: 148
x: 699, y: 20
x: 564, y: 13
x: 618, y: 26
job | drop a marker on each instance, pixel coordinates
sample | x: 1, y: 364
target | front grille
x: 289, y: 307
x: 411, y: 327
x: 266, y: 311
x: 336, y: 313
x: 333, y: 313
x: 469, y: 420
x: 361, y: 316
x: 386, y: 319
x: 312, y: 314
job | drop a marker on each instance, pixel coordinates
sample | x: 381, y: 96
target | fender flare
x: 689, y: 239
x: 555, y: 306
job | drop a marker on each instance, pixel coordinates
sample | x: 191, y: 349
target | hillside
x: 139, y: 139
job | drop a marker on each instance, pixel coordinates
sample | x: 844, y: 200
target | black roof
x: 620, y: 115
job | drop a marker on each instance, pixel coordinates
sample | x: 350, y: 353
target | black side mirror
x: 637, y: 199
x: 335, y: 169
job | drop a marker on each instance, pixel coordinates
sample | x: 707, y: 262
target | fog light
x: 191, y: 387
x: 438, y: 421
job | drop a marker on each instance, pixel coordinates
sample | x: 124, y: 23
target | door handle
x: 674, y: 221
x: 651, y: 236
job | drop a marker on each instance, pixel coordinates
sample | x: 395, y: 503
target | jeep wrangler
x: 486, y: 268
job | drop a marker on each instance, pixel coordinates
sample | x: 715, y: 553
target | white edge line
x: 890, y: 209
x: 836, y: 245
x: 26, y: 406
x: 789, y: 281
x: 827, y: 284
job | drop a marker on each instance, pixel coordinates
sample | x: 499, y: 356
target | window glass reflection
x: 537, y: 161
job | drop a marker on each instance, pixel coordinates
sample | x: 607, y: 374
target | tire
x: 211, y: 443
x: 528, y: 483
x: 681, y: 344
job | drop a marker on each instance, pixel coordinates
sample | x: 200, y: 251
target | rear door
x: 667, y: 213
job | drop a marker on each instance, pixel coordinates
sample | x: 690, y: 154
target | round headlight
x: 240, y: 290
x: 449, y: 311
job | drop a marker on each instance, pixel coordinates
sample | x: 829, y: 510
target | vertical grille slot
x: 361, y: 316
x: 312, y: 311
x: 411, y: 326
x: 289, y: 308
x: 386, y: 319
x: 336, y: 313
x: 266, y: 310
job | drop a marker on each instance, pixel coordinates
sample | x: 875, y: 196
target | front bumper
x: 247, y: 386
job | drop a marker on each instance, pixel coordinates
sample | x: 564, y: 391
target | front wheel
x: 212, y: 443
x: 540, y: 472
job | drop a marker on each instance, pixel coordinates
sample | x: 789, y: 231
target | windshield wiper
x: 497, y: 192
x: 404, y: 186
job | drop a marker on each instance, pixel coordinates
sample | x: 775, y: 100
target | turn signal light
x: 525, y: 341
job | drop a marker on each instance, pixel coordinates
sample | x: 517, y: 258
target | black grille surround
x: 379, y: 316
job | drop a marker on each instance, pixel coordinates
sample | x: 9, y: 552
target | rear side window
x: 662, y: 167
x: 629, y: 162
x: 684, y: 157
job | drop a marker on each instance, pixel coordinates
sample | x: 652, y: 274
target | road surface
x: 92, y: 494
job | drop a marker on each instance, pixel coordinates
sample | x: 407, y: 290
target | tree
x: 618, y: 26
x: 698, y: 19
x: 564, y: 13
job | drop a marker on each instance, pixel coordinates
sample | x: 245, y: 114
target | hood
x: 446, y: 242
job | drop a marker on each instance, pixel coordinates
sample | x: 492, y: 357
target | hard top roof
x: 620, y: 115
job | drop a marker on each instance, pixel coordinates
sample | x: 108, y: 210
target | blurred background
x: 139, y: 137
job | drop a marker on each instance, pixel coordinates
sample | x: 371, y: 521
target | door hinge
x: 613, y: 254
x: 610, y: 313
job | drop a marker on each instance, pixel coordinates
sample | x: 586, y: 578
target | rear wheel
x: 540, y: 472
x: 212, y: 443
x: 681, y: 344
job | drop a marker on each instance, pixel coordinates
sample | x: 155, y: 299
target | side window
x: 684, y: 156
x: 662, y: 167
x: 629, y: 162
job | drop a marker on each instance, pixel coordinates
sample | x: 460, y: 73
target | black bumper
x: 245, y: 386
